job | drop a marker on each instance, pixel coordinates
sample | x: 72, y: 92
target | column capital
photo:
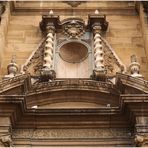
x: 96, y: 28
x: 97, y: 20
x: 50, y: 28
x: 48, y: 22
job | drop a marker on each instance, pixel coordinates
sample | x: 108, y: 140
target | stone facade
x: 73, y: 74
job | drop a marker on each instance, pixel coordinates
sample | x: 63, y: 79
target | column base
x: 99, y: 75
x: 47, y: 74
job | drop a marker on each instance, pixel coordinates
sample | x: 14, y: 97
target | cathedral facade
x: 73, y: 73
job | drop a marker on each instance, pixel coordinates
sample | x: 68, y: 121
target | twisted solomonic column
x: 48, y: 50
x: 47, y: 71
x: 99, y: 71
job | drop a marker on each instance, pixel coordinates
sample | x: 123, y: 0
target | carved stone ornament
x: 73, y: 133
x: 12, y: 67
x: 6, y: 141
x: 73, y: 3
x: 112, y: 63
x: 141, y: 140
x: 74, y: 29
x: 135, y: 67
x: 33, y: 64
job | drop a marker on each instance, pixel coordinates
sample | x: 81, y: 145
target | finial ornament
x: 135, y: 67
x: 96, y: 11
x: 12, y: 67
x: 51, y: 12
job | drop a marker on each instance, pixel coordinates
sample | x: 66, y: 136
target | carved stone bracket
x: 141, y: 140
x: 6, y: 141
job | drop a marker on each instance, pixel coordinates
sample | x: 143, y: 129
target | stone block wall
x: 126, y: 38
x: 23, y: 37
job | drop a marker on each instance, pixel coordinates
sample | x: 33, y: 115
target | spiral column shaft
x: 48, y: 50
x: 98, y: 50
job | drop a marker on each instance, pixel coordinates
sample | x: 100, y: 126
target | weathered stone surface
x: 74, y: 112
x: 70, y: 133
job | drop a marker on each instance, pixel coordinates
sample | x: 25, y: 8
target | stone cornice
x: 59, y: 8
x: 15, y: 108
x: 137, y: 83
x: 70, y: 84
x: 10, y: 83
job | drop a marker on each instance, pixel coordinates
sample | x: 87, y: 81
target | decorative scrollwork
x: 35, y: 61
x: 74, y: 29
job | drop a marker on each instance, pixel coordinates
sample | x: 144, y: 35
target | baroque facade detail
x: 73, y: 29
x: 135, y: 67
x: 6, y: 141
x: 73, y: 90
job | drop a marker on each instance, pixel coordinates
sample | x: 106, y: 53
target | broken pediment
x: 99, y: 56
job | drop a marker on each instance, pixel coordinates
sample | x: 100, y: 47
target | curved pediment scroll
x: 111, y: 61
x: 34, y: 63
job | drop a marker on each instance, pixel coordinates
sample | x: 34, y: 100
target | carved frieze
x: 71, y: 133
x: 73, y: 83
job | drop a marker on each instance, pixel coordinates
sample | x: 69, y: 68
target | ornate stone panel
x: 70, y: 133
